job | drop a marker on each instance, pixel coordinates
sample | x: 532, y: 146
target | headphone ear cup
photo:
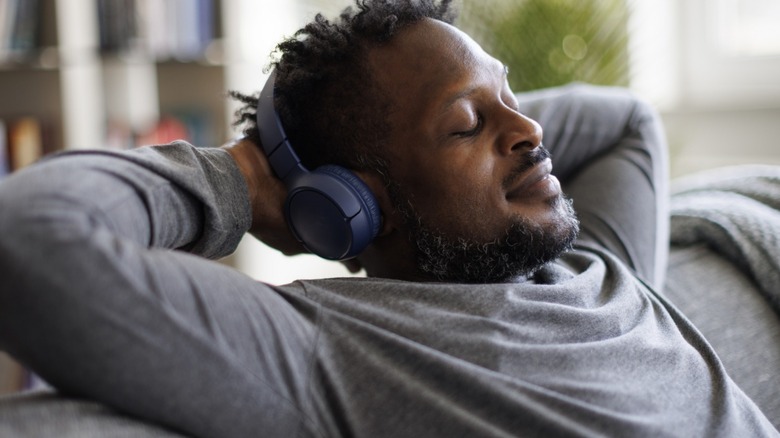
x: 333, y: 212
x: 365, y: 194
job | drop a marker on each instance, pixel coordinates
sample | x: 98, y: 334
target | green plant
x: 553, y: 42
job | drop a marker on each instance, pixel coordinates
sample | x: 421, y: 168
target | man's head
x: 427, y: 118
x: 325, y: 93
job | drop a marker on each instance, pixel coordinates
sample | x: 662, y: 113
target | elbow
x: 36, y: 223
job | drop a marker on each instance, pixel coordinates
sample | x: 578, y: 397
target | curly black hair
x: 325, y: 95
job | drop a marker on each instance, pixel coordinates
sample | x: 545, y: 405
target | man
x: 475, y: 319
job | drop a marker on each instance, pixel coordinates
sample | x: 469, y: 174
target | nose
x: 521, y: 134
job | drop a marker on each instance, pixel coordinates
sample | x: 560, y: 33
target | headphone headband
x: 330, y: 210
x: 281, y: 156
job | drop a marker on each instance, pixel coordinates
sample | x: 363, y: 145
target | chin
x: 518, y: 251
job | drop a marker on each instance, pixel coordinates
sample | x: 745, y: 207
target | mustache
x: 527, y: 161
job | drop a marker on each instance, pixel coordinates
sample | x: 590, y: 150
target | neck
x: 392, y: 258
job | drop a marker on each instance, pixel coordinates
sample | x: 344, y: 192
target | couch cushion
x: 727, y: 307
x: 45, y: 414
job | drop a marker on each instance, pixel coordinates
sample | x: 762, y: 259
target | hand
x: 267, y: 195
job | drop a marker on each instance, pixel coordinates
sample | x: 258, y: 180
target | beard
x: 517, y: 253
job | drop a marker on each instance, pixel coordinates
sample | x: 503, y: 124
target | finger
x: 353, y: 265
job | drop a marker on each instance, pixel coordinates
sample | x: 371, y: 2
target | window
x: 730, y: 53
x: 749, y: 27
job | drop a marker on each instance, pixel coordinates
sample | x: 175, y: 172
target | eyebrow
x: 468, y: 91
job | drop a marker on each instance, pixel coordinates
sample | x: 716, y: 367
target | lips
x: 534, y: 182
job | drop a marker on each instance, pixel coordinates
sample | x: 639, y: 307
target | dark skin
x: 453, y: 146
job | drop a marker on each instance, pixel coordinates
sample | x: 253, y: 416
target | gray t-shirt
x: 583, y: 350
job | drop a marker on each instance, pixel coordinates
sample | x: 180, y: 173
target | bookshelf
x: 104, y: 73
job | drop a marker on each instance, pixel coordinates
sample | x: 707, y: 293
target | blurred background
x: 122, y: 73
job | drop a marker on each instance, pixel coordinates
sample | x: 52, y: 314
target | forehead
x: 427, y: 61
x: 423, y: 45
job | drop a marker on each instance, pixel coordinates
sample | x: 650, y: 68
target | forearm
x: 95, y: 300
x: 173, y: 196
x: 80, y: 225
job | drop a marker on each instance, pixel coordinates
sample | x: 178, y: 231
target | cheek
x: 459, y: 199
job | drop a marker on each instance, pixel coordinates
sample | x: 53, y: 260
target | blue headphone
x: 330, y: 210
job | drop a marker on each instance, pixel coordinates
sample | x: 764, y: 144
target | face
x: 468, y: 173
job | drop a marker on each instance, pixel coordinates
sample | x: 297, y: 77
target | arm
x: 95, y: 300
x: 172, y: 196
x: 609, y: 152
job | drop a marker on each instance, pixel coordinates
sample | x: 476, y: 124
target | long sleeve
x: 172, y: 196
x: 101, y: 295
x: 609, y: 151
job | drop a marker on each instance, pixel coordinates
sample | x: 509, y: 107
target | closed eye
x: 473, y: 132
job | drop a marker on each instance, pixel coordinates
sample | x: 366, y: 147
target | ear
x: 390, y: 218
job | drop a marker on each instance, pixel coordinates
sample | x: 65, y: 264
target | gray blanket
x: 735, y: 211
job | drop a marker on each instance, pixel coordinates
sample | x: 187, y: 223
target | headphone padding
x: 367, y: 197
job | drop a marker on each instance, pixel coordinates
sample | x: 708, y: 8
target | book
x: 180, y: 30
x: 193, y: 125
x: 25, y: 32
x: 199, y: 126
x: 5, y: 163
x: 20, y: 22
x: 195, y: 29
x: 117, y: 25
x: 7, y: 14
x: 25, y: 142
x: 166, y: 130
